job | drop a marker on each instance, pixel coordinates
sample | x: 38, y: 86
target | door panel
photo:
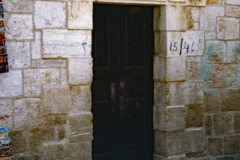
x: 122, y: 83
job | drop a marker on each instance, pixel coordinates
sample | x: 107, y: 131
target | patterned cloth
x: 3, y: 55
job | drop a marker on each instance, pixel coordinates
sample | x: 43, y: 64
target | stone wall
x: 45, y: 99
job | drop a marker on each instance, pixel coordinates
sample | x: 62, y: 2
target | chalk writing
x: 182, y: 47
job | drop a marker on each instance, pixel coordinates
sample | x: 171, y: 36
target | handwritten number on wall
x: 182, y: 47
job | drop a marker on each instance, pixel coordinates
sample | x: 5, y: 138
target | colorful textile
x: 3, y: 55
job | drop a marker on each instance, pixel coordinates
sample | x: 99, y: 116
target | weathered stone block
x: 61, y: 133
x: 66, y: 43
x: 36, y: 46
x: 210, y: 35
x: 234, y: 2
x: 175, y: 118
x: 193, y: 67
x: 206, y: 70
x: 233, y: 11
x: 159, y: 68
x: 160, y: 143
x: 173, y: 18
x: 230, y: 100
x: 195, y: 141
x: 159, y: 119
x: 35, y: 78
x: 80, y: 127
x: 55, y: 120
x: 6, y: 113
x: 49, y: 63
x: 216, y: 51
x: 81, y: 98
x: 11, y: 84
x: 208, y: 17
x: 28, y: 112
x: 175, y: 94
x: 228, y: 28
x: 50, y: 14
x: 176, y: 69
x: 208, y: 125
x: 23, y: 6
x: 19, y: 27
x: 56, y: 99
x: 194, y: 116
x: 233, y: 52
x: 19, y: 142
x: 193, y: 16
x: 37, y: 136
x: 175, y: 143
x: 160, y: 94
x: 197, y: 2
x: 80, y: 15
x: 194, y: 93
x: 231, y: 144
x: 236, y: 123
x: 214, y: 146
x: 212, y: 102
x: 18, y: 54
x: 84, y: 71
x: 223, y: 124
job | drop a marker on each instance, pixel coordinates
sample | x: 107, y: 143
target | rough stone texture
x: 18, y: 55
x: 175, y: 143
x: 233, y: 52
x: 236, y: 2
x: 50, y: 14
x: 208, y: 119
x: 228, y: 28
x: 175, y: 118
x: 176, y: 69
x: 36, y: 46
x: 236, y: 123
x: 80, y: 15
x: 194, y: 116
x: 56, y: 99
x: 84, y: 68
x: 194, y: 93
x: 223, y: 124
x: 55, y: 120
x: 6, y: 113
x: 13, y: 89
x: 214, y: 146
x: 230, y: 100
x: 66, y: 43
x: 216, y: 51
x: 19, y: 141
x: 176, y: 94
x: 233, y: 11
x: 19, y: 26
x: 231, y: 144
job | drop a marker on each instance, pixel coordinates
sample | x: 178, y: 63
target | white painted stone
x: 233, y: 51
x: 63, y: 76
x: 66, y: 43
x: 208, y: 17
x: 80, y: 15
x: 228, y: 28
x: 185, y: 43
x: 18, y: 54
x: 173, y: 18
x: 19, y: 27
x: 35, y: 78
x: 176, y: 69
x: 50, y: 14
x: 36, y: 46
x: 6, y: 113
x: 234, y: 2
x: 28, y: 112
x: 56, y: 99
x: 80, y: 71
x: 11, y: 84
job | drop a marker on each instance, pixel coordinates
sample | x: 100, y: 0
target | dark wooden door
x: 122, y: 83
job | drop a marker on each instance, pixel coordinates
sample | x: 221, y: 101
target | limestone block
x: 159, y: 119
x: 210, y: 35
x: 49, y: 63
x: 236, y: 123
x: 193, y: 18
x: 195, y: 140
x: 35, y: 78
x: 176, y: 69
x: 212, y: 102
x: 6, y: 113
x: 193, y: 67
x: 81, y: 98
x: 63, y: 76
x: 55, y: 120
x: 230, y: 100
x: 216, y: 51
x: 19, y: 142
x: 80, y: 71
x: 206, y: 70
x: 180, y: 44
x: 208, y: 119
x: 160, y: 143
x: 233, y: 51
x: 18, y: 54
x: 234, y: 2
x: 233, y: 11
x: 80, y: 127
x: 66, y: 43
x: 28, y: 112
x: 223, y: 124
x: 175, y: 94
x: 197, y: 2
x: 11, y: 84
x: 36, y: 46
x: 80, y: 15
x: 194, y: 116
x: 160, y: 94
x: 208, y: 17
x: 228, y: 28
x: 194, y: 92
x: 175, y: 118
x: 50, y: 14
x: 159, y: 68
x: 231, y: 144
x: 173, y: 18
x: 8, y: 5
x: 19, y: 27
x: 175, y: 143
x: 214, y: 146
x: 56, y: 99
x: 23, y: 6
x: 39, y: 135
